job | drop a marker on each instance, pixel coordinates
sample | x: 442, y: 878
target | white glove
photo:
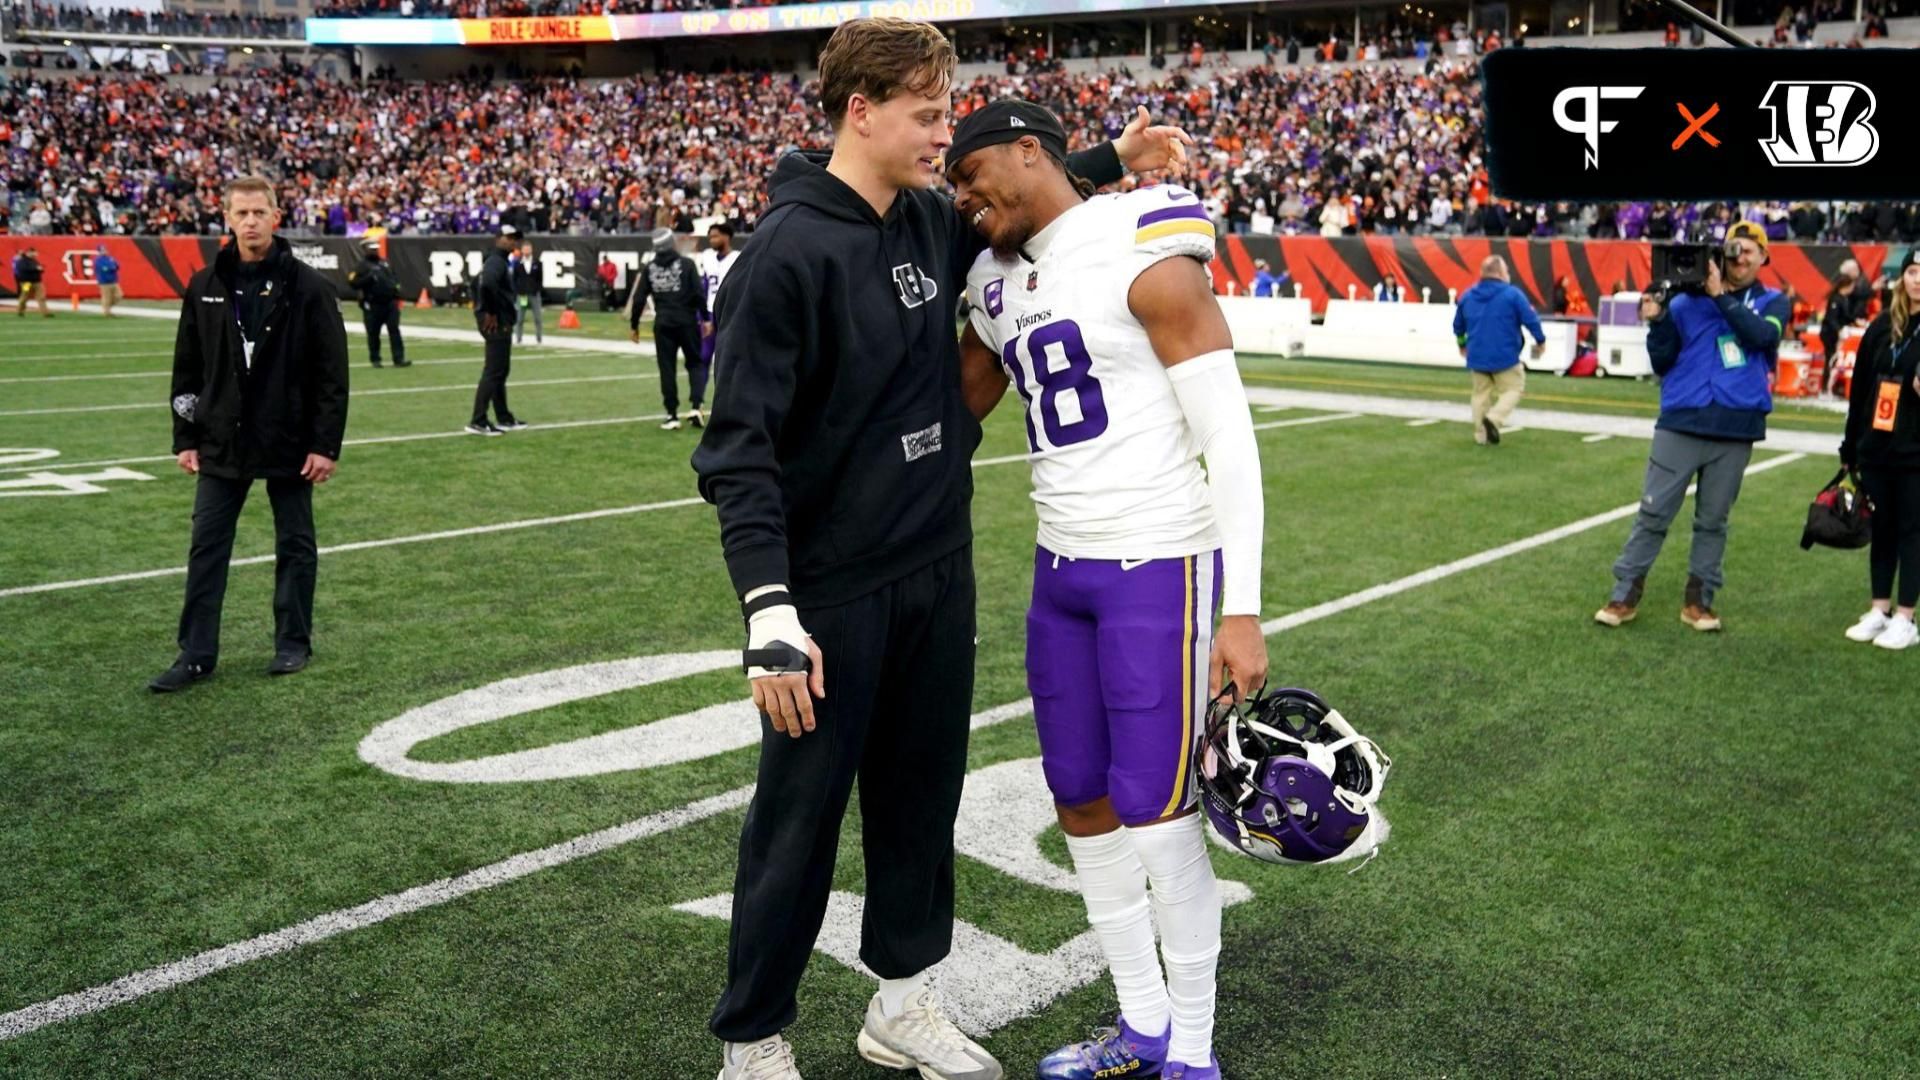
x: 771, y: 628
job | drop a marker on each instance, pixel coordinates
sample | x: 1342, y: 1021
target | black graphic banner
x: 1697, y: 124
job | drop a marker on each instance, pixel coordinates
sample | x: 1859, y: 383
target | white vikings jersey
x: 713, y: 271
x: 1116, y: 474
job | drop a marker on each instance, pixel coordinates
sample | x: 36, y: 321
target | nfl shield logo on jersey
x: 1033, y: 281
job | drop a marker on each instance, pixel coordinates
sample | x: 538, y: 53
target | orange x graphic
x: 1697, y: 125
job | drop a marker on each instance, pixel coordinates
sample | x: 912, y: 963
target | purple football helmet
x: 1284, y: 778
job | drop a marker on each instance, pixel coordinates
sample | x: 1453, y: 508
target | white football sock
x: 896, y: 994
x: 1114, y: 885
x: 1186, y: 906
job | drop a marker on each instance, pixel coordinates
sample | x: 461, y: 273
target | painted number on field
x: 988, y: 981
x: 25, y: 456
x: 53, y: 483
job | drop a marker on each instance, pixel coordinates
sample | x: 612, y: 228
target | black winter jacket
x: 838, y: 452
x: 261, y: 418
x: 494, y: 295
x: 374, y: 280
x: 1876, y: 361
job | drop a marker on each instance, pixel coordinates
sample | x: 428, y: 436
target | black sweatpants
x: 216, y: 507
x: 685, y: 340
x: 376, y: 316
x: 1896, y: 532
x: 899, y: 669
x: 493, y: 378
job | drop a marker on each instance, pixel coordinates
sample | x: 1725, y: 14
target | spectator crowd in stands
x: 1327, y: 150
x: 164, y: 23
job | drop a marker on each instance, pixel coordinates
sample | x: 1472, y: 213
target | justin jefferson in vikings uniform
x: 1099, y: 312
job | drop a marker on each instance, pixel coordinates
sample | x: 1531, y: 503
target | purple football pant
x: 1117, y: 664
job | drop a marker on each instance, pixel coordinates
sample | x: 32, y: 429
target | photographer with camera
x: 1714, y: 346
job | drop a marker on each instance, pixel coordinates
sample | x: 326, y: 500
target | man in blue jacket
x: 106, y: 271
x: 1487, y: 324
x: 1714, y: 352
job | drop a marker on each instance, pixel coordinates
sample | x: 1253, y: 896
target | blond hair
x: 879, y: 58
x: 256, y: 184
x: 1900, y: 311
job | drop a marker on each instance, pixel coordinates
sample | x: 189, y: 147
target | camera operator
x: 1714, y: 350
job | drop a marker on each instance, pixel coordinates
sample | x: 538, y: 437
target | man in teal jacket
x: 1714, y: 352
x: 1487, y: 324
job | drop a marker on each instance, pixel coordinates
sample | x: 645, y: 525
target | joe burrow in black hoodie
x: 838, y: 454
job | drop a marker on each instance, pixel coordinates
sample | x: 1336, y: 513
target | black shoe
x: 376, y: 363
x: 515, y: 424
x: 403, y: 363
x: 483, y: 428
x: 1493, y: 433
x: 287, y: 663
x: 180, y: 676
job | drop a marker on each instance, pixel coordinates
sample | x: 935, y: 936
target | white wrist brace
x: 772, y: 626
x: 1215, y: 405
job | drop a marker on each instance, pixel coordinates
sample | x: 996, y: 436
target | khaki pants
x: 109, y: 296
x: 1504, y: 388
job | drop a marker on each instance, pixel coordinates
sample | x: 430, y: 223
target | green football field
x: 1642, y: 852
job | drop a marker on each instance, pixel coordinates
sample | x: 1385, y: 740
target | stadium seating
x: 145, y: 155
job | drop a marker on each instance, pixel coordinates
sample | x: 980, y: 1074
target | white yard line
x: 515, y: 384
x: 367, y: 545
x: 364, y: 545
x: 1632, y: 427
x: 562, y: 342
x: 456, y: 433
x: 539, y: 352
x: 1602, y: 437
x: 167, y: 976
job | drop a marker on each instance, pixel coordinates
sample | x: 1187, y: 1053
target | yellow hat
x: 1749, y: 230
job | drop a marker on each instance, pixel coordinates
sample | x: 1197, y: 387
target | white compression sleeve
x: 1215, y: 404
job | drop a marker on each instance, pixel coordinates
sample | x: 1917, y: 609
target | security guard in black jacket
x: 679, y: 298
x: 259, y: 391
x: 493, y: 312
x: 380, y: 295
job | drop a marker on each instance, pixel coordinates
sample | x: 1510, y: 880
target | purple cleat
x: 1115, y: 1053
x: 1179, y: 1070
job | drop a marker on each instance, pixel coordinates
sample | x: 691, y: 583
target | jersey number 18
x: 1076, y: 375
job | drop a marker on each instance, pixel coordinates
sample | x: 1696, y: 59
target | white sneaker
x: 768, y: 1059
x: 672, y: 424
x: 696, y: 418
x: 1899, y: 634
x: 923, y: 1038
x: 1869, y: 627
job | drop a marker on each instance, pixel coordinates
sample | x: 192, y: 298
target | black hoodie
x: 839, y: 445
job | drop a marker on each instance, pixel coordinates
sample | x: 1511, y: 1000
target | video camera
x: 1683, y: 267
